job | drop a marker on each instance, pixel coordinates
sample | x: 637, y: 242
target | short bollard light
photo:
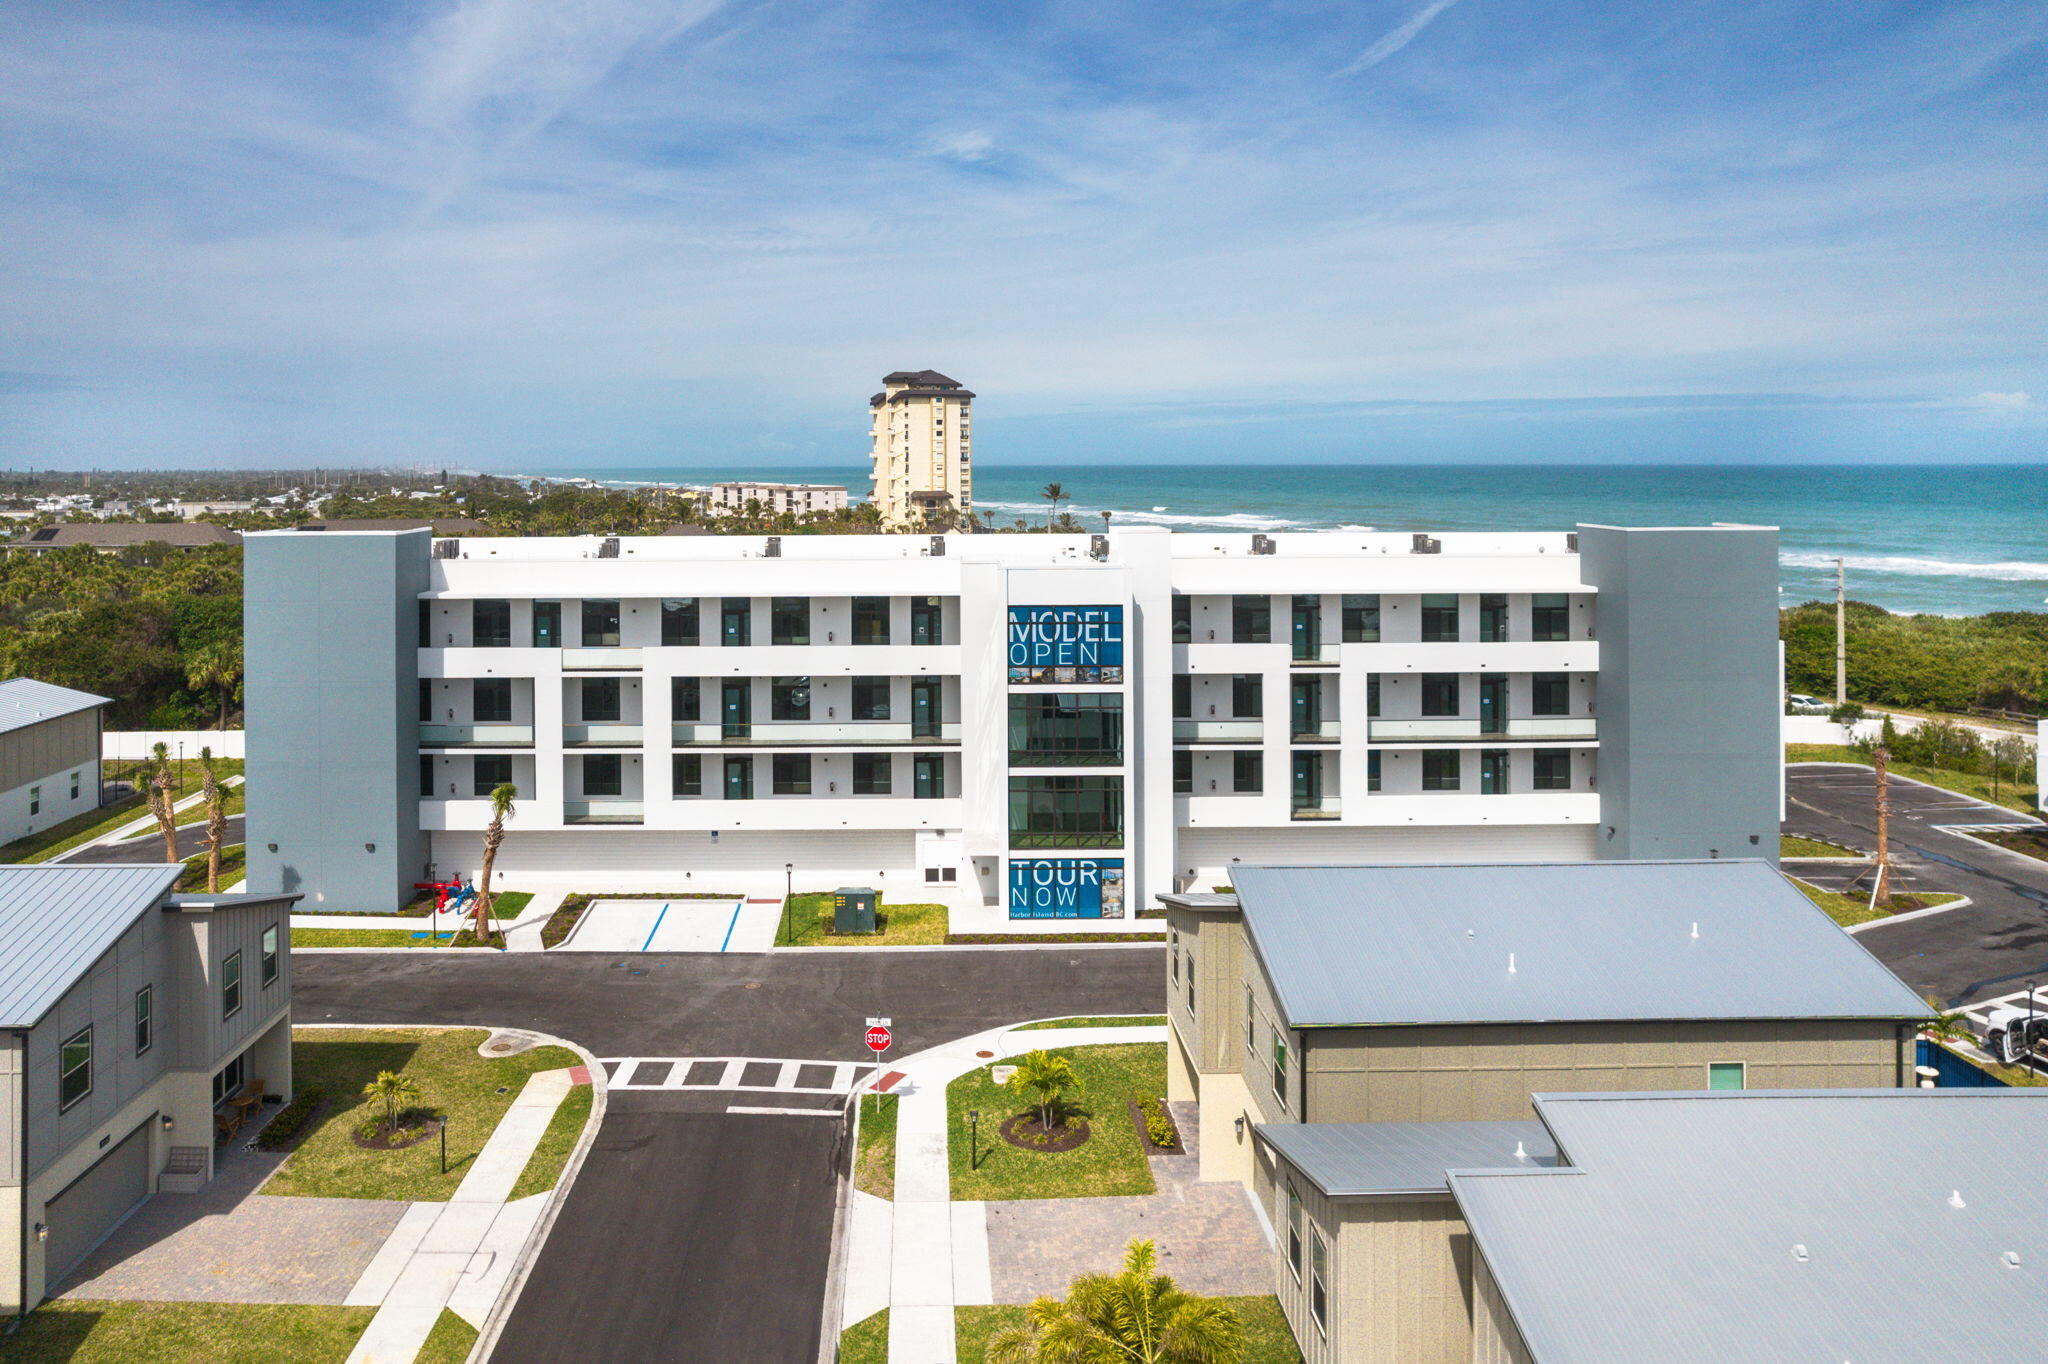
x: 973, y: 1138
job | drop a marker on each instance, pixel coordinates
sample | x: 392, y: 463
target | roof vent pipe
x: 1520, y: 1154
x: 1695, y: 928
x: 1955, y: 1199
x: 1799, y: 1253
x: 1511, y: 963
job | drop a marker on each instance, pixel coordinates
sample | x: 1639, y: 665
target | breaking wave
x: 2009, y: 571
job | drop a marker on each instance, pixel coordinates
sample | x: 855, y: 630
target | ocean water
x: 1955, y: 540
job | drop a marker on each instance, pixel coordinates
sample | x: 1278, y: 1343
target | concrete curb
x: 1961, y: 902
x: 830, y: 1325
x: 1987, y: 843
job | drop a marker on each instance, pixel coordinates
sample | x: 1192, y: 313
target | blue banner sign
x: 1066, y: 644
x: 1066, y: 887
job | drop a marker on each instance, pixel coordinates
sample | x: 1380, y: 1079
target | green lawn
x: 807, y: 917
x: 237, y: 803
x: 2011, y: 794
x: 867, y: 1340
x: 358, y: 937
x: 453, y: 1080
x: 234, y: 864
x: 1848, y: 910
x: 1110, y: 1162
x: 1266, y: 1337
x: 59, y: 839
x: 874, y: 1166
x: 79, y: 1331
x: 1100, y: 1021
x: 544, y: 1167
x: 1789, y: 846
x: 449, y: 1342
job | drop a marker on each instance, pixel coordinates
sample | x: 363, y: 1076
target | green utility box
x: 853, y: 909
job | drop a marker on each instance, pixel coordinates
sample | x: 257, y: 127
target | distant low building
x: 192, y: 511
x: 440, y: 525
x: 798, y: 499
x: 49, y: 755
x: 110, y: 536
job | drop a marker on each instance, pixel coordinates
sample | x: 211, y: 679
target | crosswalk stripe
x: 625, y: 1073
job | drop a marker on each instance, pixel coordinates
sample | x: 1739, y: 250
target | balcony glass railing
x: 481, y: 735
x: 1560, y: 727
x: 1218, y: 731
x: 602, y: 810
x: 798, y: 733
x: 600, y: 659
x: 601, y: 735
x: 1323, y: 807
x: 1321, y: 732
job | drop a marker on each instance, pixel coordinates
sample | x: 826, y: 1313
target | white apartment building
x: 920, y: 448
x: 726, y: 499
x: 1038, y: 728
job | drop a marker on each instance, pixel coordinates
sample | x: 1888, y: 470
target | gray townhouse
x: 49, y: 755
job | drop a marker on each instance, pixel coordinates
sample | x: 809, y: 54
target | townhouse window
x: 1439, y: 694
x: 231, y: 985
x: 1440, y: 769
x: 1248, y: 771
x: 1294, y: 1230
x: 870, y: 698
x: 927, y: 621
x: 1550, y: 694
x: 267, y: 959
x: 604, y: 774
x: 35, y: 800
x: 789, y: 698
x: 1550, y: 616
x: 74, y: 1068
x: 74, y: 786
x: 426, y: 775
x: 1183, y: 620
x: 736, y: 622
x: 1361, y: 618
x: 1493, y: 618
x: 602, y: 700
x: 679, y: 622
x: 1183, y: 773
x: 685, y: 699
x: 1067, y: 812
x: 789, y: 620
x: 1247, y: 696
x: 871, y: 774
x: 1173, y: 955
x: 1251, y: 620
x: 1440, y: 618
x: 1726, y: 1075
x: 600, y: 624
x: 426, y: 623
x: 491, y: 771
x: 1183, y: 696
x: 1553, y: 768
x: 1280, y: 1066
x: 1191, y: 980
x: 145, y: 1019
x: 1319, y: 1277
x: 686, y: 774
x: 790, y: 774
x: 490, y: 700
x: 1372, y: 770
x: 490, y: 624
x: 1251, y: 1024
x: 547, y: 625
x: 870, y: 620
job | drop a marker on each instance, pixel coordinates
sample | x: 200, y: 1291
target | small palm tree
x: 392, y: 1089
x: 216, y: 819
x: 216, y: 668
x: 1046, y: 1078
x: 158, y: 788
x: 1053, y: 494
x: 494, y: 837
x: 1136, y: 1316
x: 1947, y: 1025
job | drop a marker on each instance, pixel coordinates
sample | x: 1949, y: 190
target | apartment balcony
x: 1322, y: 807
x: 1219, y: 731
x: 605, y: 810
x: 1450, y: 729
x: 612, y: 735
x: 1324, y: 732
x: 476, y: 736
x: 813, y: 733
x: 607, y: 659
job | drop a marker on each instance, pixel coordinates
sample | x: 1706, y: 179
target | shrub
x: 1158, y: 1122
x: 290, y: 1118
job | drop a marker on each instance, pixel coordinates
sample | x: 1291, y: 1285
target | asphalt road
x: 150, y: 847
x: 1959, y: 956
x: 692, y: 1233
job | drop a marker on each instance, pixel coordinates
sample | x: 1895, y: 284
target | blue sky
x: 509, y: 233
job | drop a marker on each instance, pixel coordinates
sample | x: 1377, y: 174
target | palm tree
x: 158, y: 785
x: 1046, y: 1077
x: 393, y: 1089
x: 1136, y: 1316
x: 217, y: 668
x: 1947, y: 1025
x: 1054, y: 494
x: 494, y: 837
x: 216, y: 819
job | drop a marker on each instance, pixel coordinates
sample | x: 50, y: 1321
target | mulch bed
x: 380, y: 1139
x: 1031, y: 939
x: 1153, y: 1148
x: 1024, y: 1133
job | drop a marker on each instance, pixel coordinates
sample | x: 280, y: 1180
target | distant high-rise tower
x: 920, y: 454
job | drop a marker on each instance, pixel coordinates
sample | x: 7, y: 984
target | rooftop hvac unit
x: 1098, y: 547
x: 1571, y: 542
x: 447, y: 549
x: 1263, y: 544
x: 938, y: 546
x: 609, y: 548
x: 773, y: 549
x: 1426, y: 544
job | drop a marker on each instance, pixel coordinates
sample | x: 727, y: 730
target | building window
x: 1066, y: 729
x: 600, y: 625
x: 927, y: 621
x: 679, y: 624
x: 1183, y: 696
x: 1067, y: 812
x: 791, y: 774
x: 547, y: 625
x: 1493, y: 772
x: 1553, y: 769
x: 426, y: 776
x: 1372, y: 695
x: 870, y: 620
x: 870, y: 698
x: 426, y: 625
x: 145, y: 1019
x: 1251, y: 1024
x: 1248, y: 771
x: 74, y: 785
x: 1725, y: 1075
x: 736, y: 622
x: 1440, y: 769
x: 1280, y: 1066
x: 490, y: 700
x: 1247, y: 696
x: 1294, y: 1230
x: 1439, y: 694
x: 35, y: 800
x: 1550, y: 616
x: 490, y: 624
x: 1550, y: 694
x: 1173, y: 955
x: 789, y: 698
x: 426, y: 700
x: 1251, y: 620
x: 789, y: 620
x: 686, y: 774
x: 685, y: 699
x: 1361, y: 619
x: 74, y: 1068
x: 1183, y: 620
x: 739, y: 778
x: 1440, y: 618
x: 1191, y: 980
x: 872, y: 775
x: 492, y: 770
x: 1493, y: 618
x: 1183, y: 773
x: 1372, y: 770
x: 1318, y: 1279
x: 602, y: 699
x: 928, y: 776
x: 231, y: 985
x: 604, y: 774
x: 267, y: 961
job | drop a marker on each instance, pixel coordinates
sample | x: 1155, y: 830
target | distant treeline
x: 1952, y: 663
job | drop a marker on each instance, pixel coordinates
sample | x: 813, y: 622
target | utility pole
x: 1841, y: 642
x: 1881, y: 889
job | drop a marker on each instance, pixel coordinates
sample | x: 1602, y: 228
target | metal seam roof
x: 24, y: 701
x: 57, y: 920
x: 1357, y: 1159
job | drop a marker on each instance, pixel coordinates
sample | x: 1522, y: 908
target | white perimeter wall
x: 749, y: 861
x: 1205, y: 854
x: 126, y: 745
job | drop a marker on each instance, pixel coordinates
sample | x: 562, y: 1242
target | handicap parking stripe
x: 657, y: 927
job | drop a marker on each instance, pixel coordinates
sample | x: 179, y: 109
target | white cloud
x: 1398, y: 38
x: 1999, y: 402
x: 971, y: 145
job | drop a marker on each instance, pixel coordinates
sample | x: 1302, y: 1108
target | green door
x: 924, y: 708
x: 736, y: 708
x: 1493, y: 704
x: 739, y: 778
x: 1308, y: 781
x: 1493, y: 772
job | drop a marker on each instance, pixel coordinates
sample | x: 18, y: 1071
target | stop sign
x: 878, y: 1038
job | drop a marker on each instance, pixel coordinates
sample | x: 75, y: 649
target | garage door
x: 88, y: 1209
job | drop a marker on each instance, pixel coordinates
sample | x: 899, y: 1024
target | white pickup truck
x: 2013, y: 1033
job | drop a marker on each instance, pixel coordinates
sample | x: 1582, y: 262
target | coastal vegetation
x: 1955, y: 664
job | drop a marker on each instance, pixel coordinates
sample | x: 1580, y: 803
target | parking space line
x: 657, y: 927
